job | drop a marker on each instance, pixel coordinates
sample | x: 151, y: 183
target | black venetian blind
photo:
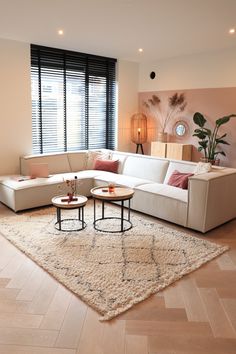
x: 73, y: 100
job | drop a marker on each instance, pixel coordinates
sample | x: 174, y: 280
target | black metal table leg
x: 82, y: 217
x: 94, y: 210
x: 129, y: 210
x: 59, y: 218
x: 102, y: 209
x: 122, y: 216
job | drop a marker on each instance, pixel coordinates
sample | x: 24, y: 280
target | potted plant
x: 209, y: 139
x: 176, y: 104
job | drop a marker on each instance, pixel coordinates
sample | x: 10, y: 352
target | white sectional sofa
x: 209, y: 201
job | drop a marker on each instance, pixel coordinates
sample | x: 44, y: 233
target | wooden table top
x: 57, y: 202
x: 120, y: 193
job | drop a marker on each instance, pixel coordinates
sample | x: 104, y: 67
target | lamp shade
x: 139, y: 128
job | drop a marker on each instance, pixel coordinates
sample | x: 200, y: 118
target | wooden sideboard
x: 171, y: 150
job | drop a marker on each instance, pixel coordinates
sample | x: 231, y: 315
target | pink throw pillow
x: 179, y: 179
x: 106, y: 165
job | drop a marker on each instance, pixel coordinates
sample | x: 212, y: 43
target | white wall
x: 15, y: 104
x: 212, y: 70
x: 127, y: 102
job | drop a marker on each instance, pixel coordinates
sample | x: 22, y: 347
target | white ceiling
x: 117, y: 28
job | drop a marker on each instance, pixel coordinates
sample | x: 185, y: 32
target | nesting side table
x: 60, y: 203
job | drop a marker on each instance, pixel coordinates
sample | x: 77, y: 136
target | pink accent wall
x: 212, y: 103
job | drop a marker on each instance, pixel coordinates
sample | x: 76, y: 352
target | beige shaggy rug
x: 110, y: 272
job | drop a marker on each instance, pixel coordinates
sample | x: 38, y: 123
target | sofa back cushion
x: 57, y: 163
x: 149, y: 168
x: 77, y: 160
x: 181, y: 166
x: 121, y: 157
x: 93, y: 155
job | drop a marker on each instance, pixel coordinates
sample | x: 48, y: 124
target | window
x: 73, y: 100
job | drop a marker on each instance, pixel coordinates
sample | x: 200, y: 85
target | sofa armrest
x: 211, y: 199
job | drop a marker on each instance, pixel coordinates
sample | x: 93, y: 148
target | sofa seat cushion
x: 166, y: 190
x: 16, y: 185
x: 162, y: 201
x: 119, y: 179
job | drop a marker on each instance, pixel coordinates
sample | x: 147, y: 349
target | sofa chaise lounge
x: 209, y: 201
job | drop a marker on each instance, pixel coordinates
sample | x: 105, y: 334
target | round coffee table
x: 61, y: 202
x: 120, y: 194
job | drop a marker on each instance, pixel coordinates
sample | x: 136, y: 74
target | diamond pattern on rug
x: 110, y: 272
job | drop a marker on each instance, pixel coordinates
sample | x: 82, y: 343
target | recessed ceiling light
x: 232, y: 30
x: 60, y: 32
x: 140, y: 50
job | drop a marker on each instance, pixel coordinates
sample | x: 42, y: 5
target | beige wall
x: 15, y: 104
x: 213, y: 103
x: 209, y: 83
x: 216, y: 69
x: 127, y: 102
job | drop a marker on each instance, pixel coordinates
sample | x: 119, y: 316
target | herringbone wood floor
x: 195, y: 315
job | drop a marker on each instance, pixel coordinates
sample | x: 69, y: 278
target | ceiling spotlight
x: 140, y: 50
x: 232, y: 30
x: 60, y: 32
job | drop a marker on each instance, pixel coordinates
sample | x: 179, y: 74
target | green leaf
x: 203, y: 143
x: 200, y: 135
x: 207, y: 131
x: 223, y: 136
x: 220, y: 141
x: 224, y: 120
x: 220, y: 152
x: 200, y: 148
x: 199, y: 119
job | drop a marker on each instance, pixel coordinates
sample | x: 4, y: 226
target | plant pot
x: 215, y: 162
x: 161, y: 136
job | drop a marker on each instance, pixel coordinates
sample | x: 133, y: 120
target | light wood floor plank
x: 8, y: 294
x: 136, y: 344
x: 20, y: 320
x: 191, y: 345
x: 219, y: 322
x: 45, y: 294
x: 31, y: 287
x: 113, y: 337
x: 25, y: 336
x: 55, y: 315
x: 192, y: 300
x: 92, y: 334
x: 153, y: 328
x: 72, y: 326
x: 230, y: 309
x: 22, y: 275
x: 173, y: 297
x: 12, y: 267
x: 225, y: 262
x: 16, y: 349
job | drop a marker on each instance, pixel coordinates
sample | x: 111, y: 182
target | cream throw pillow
x: 94, y: 155
x: 202, y: 167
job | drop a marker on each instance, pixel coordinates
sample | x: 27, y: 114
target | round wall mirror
x: 180, y: 128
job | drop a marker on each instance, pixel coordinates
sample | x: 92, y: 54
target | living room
x: 162, y: 48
